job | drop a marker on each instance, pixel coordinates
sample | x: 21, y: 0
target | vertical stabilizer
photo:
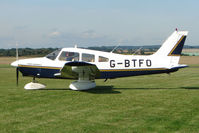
x: 173, y: 45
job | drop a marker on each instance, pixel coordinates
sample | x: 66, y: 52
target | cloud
x: 21, y: 28
x: 83, y: 39
x: 89, y: 34
x: 54, y: 34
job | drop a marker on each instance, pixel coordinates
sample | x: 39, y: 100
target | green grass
x: 156, y: 103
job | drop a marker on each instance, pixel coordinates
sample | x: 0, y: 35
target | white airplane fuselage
x: 116, y: 66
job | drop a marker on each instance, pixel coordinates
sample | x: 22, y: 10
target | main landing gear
x: 84, y: 81
x: 82, y: 85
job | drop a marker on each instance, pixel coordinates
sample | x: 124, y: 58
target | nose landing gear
x: 34, y: 85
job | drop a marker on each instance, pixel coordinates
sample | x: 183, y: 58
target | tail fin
x: 173, y: 45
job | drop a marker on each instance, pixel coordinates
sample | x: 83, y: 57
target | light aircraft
x: 87, y: 65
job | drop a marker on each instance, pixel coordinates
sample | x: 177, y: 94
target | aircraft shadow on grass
x: 96, y: 90
x: 191, y: 88
x: 53, y: 89
x: 103, y: 90
x: 112, y: 90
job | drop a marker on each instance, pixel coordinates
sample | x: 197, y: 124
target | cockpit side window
x: 103, y: 59
x: 88, y: 57
x: 53, y: 55
x: 69, y: 56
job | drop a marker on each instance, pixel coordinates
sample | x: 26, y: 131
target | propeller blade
x: 17, y: 75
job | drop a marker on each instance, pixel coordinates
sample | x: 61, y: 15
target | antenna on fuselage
x: 115, y: 48
x: 75, y: 46
x: 137, y: 50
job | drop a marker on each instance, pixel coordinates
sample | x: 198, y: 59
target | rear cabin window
x: 69, y: 56
x: 103, y: 59
x: 88, y: 57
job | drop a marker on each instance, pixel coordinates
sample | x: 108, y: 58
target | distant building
x: 191, y: 52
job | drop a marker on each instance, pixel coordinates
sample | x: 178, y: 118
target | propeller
x: 17, y: 75
x: 17, y: 69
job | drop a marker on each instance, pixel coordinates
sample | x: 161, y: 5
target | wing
x: 79, y: 70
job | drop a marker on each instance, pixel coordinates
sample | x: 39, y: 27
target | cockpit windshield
x: 53, y: 55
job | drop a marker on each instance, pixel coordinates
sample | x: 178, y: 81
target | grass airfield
x: 154, y: 103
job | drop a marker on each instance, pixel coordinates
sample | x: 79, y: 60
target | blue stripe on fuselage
x: 49, y: 73
x: 118, y: 74
x: 38, y: 72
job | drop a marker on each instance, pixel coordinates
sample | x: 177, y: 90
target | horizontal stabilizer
x: 179, y: 66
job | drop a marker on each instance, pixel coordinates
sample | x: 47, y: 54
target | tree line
x: 26, y: 52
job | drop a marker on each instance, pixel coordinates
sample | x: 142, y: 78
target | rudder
x: 177, y: 49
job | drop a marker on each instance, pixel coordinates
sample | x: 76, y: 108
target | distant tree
x: 26, y: 51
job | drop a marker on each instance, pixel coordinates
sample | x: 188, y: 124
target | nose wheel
x: 34, y: 85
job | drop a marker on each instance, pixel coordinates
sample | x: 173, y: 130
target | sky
x: 65, y: 23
